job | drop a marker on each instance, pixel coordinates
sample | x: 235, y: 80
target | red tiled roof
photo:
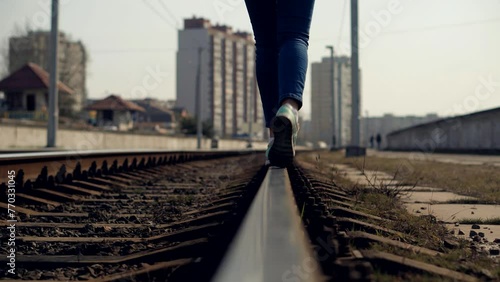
x: 30, y: 76
x: 115, y: 103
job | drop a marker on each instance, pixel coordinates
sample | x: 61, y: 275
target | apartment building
x: 326, y: 108
x: 226, y: 60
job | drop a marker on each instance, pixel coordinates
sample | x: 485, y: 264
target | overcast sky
x: 417, y: 57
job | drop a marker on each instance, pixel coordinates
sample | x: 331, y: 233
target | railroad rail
x: 191, y: 216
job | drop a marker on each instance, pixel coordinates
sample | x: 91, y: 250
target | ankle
x: 294, y: 104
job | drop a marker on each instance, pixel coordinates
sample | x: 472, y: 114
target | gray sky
x: 417, y: 57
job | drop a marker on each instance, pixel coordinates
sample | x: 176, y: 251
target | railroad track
x: 342, y: 235
x: 192, y: 216
x: 127, y: 215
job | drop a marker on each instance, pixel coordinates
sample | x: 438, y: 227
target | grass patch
x: 481, y: 182
x: 422, y: 231
x: 462, y: 259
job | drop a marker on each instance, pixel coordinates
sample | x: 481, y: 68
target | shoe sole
x: 281, y: 152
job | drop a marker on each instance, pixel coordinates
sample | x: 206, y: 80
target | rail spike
x: 41, y: 180
x: 28, y: 185
x: 124, y: 166
x: 77, y: 172
x: 141, y: 164
x: 93, y: 169
x: 69, y: 178
x: 85, y: 175
x: 20, y: 178
x: 114, y: 167
x: 51, y: 182
x: 133, y: 165
x: 163, y: 160
x: 104, y: 167
x: 61, y: 174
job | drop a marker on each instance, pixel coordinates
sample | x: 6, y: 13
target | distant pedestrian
x: 379, y: 140
x: 372, y: 139
x: 281, y: 30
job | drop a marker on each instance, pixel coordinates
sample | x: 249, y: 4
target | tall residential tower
x: 229, y: 94
x: 322, y: 129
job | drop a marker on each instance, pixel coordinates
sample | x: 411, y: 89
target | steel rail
x: 271, y: 244
x: 32, y: 163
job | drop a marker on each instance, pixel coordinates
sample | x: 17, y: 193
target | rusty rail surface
x: 66, y: 161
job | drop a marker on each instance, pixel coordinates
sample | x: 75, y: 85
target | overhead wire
x: 139, y: 50
x: 165, y: 7
x: 165, y: 19
x: 342, y: 22
x: 451, y: 25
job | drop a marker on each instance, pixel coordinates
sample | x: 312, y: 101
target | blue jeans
x: 281, y: 30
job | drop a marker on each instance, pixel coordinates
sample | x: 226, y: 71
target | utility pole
x: 199, y: 128
x: 339, y: 103
x: 54, y: 77
x: 355, y: 130
x: 332, y: 86
x: 366, y: 136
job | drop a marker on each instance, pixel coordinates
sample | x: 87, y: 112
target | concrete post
x: 54, y: 77
x: 355, y: 131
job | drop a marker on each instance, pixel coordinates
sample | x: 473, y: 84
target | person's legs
x: 263, y: 17
x: 293, y: 23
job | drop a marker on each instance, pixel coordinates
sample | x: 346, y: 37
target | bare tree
x: 69, y: 66
x: 17, y: 31
x: 4, y: 58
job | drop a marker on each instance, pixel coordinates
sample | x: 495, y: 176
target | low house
x: 26, y: 93
x: 115, y: 113
x: 156, y: 115
x: 180, y: 112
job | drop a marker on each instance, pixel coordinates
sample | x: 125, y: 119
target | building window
x: 14, y: 101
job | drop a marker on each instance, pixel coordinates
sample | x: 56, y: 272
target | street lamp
x: 332, y: 86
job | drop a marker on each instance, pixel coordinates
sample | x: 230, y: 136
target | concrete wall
x: 478, y: 132
x: 28, y: 137
x: 388, y: 123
